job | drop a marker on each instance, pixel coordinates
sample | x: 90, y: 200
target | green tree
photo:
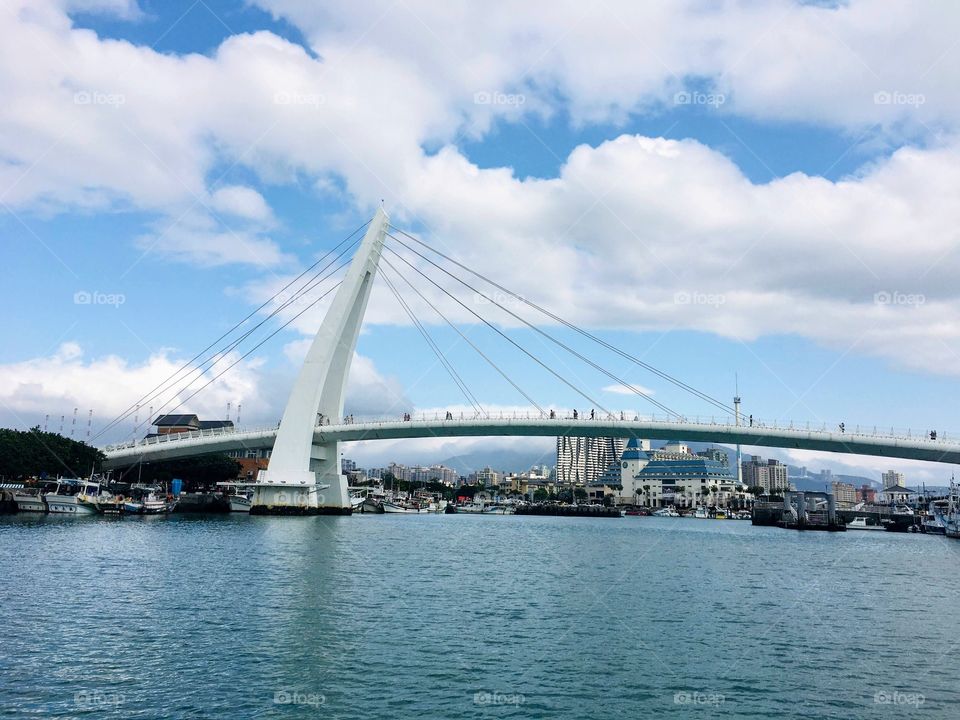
x: 28, y: 453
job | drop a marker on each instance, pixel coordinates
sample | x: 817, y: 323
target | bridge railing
x: 567, y: 416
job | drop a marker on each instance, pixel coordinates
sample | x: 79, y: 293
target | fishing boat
x: 73, y: 497
x: 237, y: 495
x: 30, y: 499
x: 935, y: 519
x: 701, y: 513
x: 472, y: 506
x: 148, y: 501
x: 405, y: 506
x: 862, y: 523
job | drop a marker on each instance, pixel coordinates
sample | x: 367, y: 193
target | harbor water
x: 453, y: 616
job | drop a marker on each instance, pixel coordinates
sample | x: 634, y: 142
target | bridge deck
x: 196, y: 443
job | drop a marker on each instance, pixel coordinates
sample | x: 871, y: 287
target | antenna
x: 228, y: 411
x: 46, y: 421
x: 239, y: 406
x: 73, y: 424
x: 89, y: 422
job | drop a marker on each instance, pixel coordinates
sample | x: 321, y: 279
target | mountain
x: 503, y: 459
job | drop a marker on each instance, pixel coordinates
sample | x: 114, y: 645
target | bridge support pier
x: 304, y: 476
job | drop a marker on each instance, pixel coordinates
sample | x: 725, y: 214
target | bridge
x: 801, y: 436
x: 304, y: 474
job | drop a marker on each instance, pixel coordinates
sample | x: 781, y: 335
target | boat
x: 666, y: 512
x: 701, y: 513
x: 404, y: 506
x: 148, y: 501
x: 862, y: 523
x: 237, y: 495
x: 473, y: 506
x: 720, y: 514
x: 935, y: 519
x: 73, y: 497
x: 30, y: 499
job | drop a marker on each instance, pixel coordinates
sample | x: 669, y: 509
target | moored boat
x: 862, y: 523
x: 73, y: 497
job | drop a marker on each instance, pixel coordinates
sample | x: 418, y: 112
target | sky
x: 751, y: 195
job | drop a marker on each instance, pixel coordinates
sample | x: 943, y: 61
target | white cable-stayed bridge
x: 304, y: 474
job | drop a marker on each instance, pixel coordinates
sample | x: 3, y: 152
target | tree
x: 27, y: 453
x: 580, y: 494
x: 756, y: 490
x: 540, y: 495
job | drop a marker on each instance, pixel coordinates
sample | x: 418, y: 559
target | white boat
x: 238, y: 495
x: 701, y: 513
x: 29, y: 500
x: 404, y: 506
x: 472, y: 507
x: 73, y: 497
x: 240, y: 503
x: 860, y: 523
x: 666, y: 512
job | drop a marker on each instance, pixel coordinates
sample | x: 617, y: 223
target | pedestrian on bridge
x: 592, y: 414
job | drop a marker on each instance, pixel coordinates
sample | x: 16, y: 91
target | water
x: 467, y: 616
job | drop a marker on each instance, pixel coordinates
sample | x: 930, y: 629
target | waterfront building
x: 866, y: 494
x: 892, y: 478
x: 845, y: 494
x: 770, y: 475
x: 634, y: 458
x: 347, y: 465
x: 720, y: 456
x: 685, y: 482
x: 581, y: 461
x: 896, y: 494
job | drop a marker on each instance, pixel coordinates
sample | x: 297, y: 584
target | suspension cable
x: 627, y: 356
x: 500, y: 332
x: 464, y: 337
x: 237, y: 342
x: 172, y: 378
x: 545, y: 334
x: 471, y: 398
x: 255, y: 347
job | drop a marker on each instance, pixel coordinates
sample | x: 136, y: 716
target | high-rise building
x: 582, y: 460
x: 845, y: 494
x: 770, y: 475
x: 892, y: 478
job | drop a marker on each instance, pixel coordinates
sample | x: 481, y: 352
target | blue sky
x: 775, y: 158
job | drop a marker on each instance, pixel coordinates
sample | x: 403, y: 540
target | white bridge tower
x: 304, y: 477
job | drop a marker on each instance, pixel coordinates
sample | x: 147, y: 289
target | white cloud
x: 109, y: 385
x: 622, y: 390
x: 241, y: 201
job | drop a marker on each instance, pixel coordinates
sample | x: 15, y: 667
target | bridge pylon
x: 304, y: 477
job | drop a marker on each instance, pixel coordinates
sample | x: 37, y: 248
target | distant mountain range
x: 501, y: 459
